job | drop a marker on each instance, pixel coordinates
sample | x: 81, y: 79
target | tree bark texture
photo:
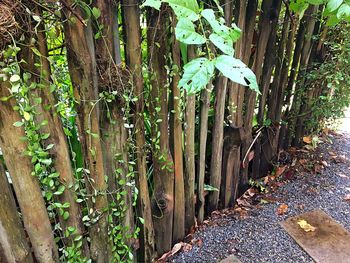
x: 179, y: 188
x: 35, y: 218
x: 14, y: 245
x: 163, y: 173
x: 83, y: 73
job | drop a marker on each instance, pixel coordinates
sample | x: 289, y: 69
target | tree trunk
x: 205, y: 106
x: 249, y: 28
x: 163, y: 196
x: 179, y: 189
x: 305, y: 52
x: 190, y: 172
x: 261, y: 163
x: 27, y: 189
x: 131, y: 14
x: 82, y: 69
x: 217, y: 142
x: 131, y: 11
x: 306, y: 64
x: 13, y: 243
x: 112, y: 78
x: 60, y: 152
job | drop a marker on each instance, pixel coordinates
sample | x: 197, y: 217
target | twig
x: 251, y: 145
x: 288, y: 11
x: 73, y: 12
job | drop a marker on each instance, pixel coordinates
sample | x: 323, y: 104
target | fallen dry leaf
x: 347, y: 198
x: 251, y: 191
x: 282, y: 209
x: 343, y: 175
x: 318, y: 168
x: 280, y: 170
x: 306, y: 226
x: 197, y: 242
x: 187, y: 247
x: 307, y: 139
x: 176, y: 248
x: 324, y: 163
x: 303, y: 161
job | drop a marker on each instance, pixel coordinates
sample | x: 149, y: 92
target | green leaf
x: 50, y: 146
x: 183, y: 49
x: 46, y: 161
x: 332, y: 20
x: 236, y: 33
x: 197, y: 74
x: 299, y: 7
x: 36, y: 18
x: 219, y: 28
x: 224, y: 44
x: 237, y: 71
x: 26, y: 116
x: 15, y: 87
x: 18, y: 124
x: 209, y: 15
x: 210, y: 188
x: 186, y: 33
x: 152, y: 3
x: 15, y: 78
x: 343, y: 12
x: 333, y: 5
x: 65, y: 215
x: 185, y: 9
x: 96, y: 12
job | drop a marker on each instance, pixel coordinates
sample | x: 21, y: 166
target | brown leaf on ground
x: 307, y: 139
x: 251, y: 191
x: 187, y: 247
x: 197, y: 242
x: 324, y: 163
x: 332, y: 153
x: 301, y: 206
x: 280, y: 170
x: 243, y: 202
x: 303, y: 161
x: 243, y: 214
x: 282, y: 209
x: 347, y: 198
x: 318, y: 168
x: 176, y: 248
x: 343, y: 175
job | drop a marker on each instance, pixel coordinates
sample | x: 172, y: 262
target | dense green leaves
x: 335, y: 11
x: 186, y: 33
x: 197, y: 74
x: 237, y: 71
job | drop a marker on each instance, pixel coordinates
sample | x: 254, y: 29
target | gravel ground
x: 259, y: 237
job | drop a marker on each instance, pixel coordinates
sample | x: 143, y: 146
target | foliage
x: 332, y: 77
x: 193, y: 27
x: 335, y: 10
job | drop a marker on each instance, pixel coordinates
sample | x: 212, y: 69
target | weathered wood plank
x: 329, y: 243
